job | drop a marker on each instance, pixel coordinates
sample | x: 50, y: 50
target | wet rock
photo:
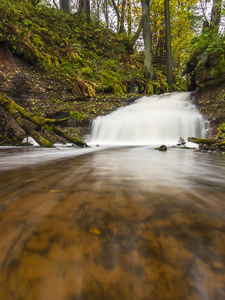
x: 162, y: 148
x: 181, y: 142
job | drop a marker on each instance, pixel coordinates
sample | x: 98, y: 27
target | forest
x: 62, y: 63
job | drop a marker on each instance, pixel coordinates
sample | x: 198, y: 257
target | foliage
x: 85, y: 56
x: 209, y: 43
x: 221, y: 131
x: 181, y: 12
x: 76, y: 116
x: 61, y: 43
x: 113, y: 80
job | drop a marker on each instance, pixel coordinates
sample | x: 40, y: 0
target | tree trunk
x: 26, y: 126
x: 122, y: 19
x: 84, y: 8
x: 136, y: 34
x: 216, y: 14
x: 106, y: 13
x: 56, y: 5
x: 64, y: 5
x: 19, y: 113
x: 168, y: 44
x: 129, y: 18
x: 117, y: 14
x: 148, y: 63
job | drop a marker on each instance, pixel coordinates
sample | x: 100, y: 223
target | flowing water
x: 151, y: 121
x: 125, y: 222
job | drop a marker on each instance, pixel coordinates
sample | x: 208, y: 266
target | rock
x: 162, y: 148
x: 181, y: 142
x: 134, y: 89
x: 29, y: 140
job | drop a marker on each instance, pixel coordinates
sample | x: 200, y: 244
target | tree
x: 65, y: 5
x: 84, y: 8
x: 148, y: 63
x: 216, y: 14
x: 106, y: 12
x: 168, y: 45
x: 120, y: 16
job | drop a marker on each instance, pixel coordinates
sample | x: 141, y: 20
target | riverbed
x: 111, y: 223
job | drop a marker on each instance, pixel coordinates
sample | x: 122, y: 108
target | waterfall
x: 153, y: 120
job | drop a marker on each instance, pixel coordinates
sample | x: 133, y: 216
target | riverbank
x: 45, y: 95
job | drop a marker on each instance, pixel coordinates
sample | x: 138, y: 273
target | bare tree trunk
x: 168, y: 44
x: 84, y: 8
x: 64, y: 5
x: 117, y: 14
x: 148, y: 63
x: 106, y: 13
x: 136, y: 34
x: 216, y: 13
x: 122, y: 19
x: 129, y: 17
x: 56, y: 5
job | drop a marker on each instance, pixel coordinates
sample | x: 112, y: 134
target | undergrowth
x: 87, y: 57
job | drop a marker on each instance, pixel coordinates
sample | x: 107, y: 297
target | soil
x: 211, y: 102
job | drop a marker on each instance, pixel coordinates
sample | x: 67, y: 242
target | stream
x: 112, y: 223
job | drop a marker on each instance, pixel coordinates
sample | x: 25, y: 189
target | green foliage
x: 208, y: 42
x: 220, y: 68
x: 85, y: 56
x: 208, y: 48
x: 221, y: 131
x: 113, y: 80
x: 76, y: 116
x: 87, y: 71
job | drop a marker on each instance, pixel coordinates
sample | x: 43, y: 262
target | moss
x: 162, y: 148
x: 202, y: 141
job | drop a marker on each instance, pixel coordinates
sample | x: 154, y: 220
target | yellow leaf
x: 95, y: 231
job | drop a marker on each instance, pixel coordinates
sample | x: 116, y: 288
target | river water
x: 111, y: 223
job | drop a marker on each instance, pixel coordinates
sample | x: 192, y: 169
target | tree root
x: 21, y: 116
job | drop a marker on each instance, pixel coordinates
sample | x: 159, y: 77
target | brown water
x: 122, y: 223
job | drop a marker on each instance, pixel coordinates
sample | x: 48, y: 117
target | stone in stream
x: 162, y: 148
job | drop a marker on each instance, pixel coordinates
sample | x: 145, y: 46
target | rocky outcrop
x: 210, y: 72
x: 209, y: 81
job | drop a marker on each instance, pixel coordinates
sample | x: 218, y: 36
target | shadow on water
x: 122, y: 223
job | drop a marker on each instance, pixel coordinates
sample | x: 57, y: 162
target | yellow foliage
x: 181, y: 30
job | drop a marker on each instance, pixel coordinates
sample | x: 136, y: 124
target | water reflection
x: 122, y: 223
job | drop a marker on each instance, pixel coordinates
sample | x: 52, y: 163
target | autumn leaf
x: 95, y: 231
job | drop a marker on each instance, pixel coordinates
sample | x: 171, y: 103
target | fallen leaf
x: 95, y: 231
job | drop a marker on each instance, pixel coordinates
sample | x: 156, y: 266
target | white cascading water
x: 153, y: 120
